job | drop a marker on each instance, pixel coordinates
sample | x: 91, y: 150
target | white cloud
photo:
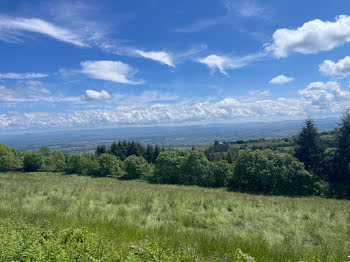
x: 73, y: 24
x: 280, y: 80
x: 221, y: 63
x: 22, y: 76
x: 321, y: 96
x: 317, y: 99
x: 12, y: 28
x: 159, y: 56
x: 216, y: 62
x: 312, y: 37
x: 92, y: 95
x: 340, y: 68
x: 114, y: 71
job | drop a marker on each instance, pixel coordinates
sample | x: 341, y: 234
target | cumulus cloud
x: 340, y: 68
x: 222, y: 63
x: 325, y: 96
x: 22, y: 76
x: 92, y: 95
x: 312, y: 37
x: 114, y: 71
x: 12, y: 28
x: 318, y: 98
x: 159, y: 56
x: 228, y: 108
x: 280, y: 80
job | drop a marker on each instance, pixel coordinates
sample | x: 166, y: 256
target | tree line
x: 312, y: 167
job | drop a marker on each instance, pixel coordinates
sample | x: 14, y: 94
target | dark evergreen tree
x: 156, y: 153
x: 149, y: 154
x: 341, y: 174
x: 101, y: 149
x: 230, y: 157
x: 309, y: 148
x: 140, y: 149
x: 113, y: 149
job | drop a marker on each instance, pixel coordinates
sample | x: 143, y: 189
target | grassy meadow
x: 202, y: 224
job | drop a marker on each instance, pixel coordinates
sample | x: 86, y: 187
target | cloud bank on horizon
x: 147, y: 63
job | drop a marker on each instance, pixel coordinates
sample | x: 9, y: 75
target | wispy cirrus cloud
x: 245, y: 9
x: 87, y: 34
x: 12, y: 29
x: 114, y: 71
x: 76, y: 23
x: 201, y: 25
x: 31, y: 93
x: 235, y: 10
x: 159, y: 56
x: 224, y: 62
x: 22, y: 75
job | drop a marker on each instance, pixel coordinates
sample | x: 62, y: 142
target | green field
x: 208, y: 224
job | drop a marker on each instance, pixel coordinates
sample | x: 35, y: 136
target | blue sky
x: 92, y: 64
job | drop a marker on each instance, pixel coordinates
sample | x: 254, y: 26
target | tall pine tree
x: 309, y: 148
x: 341, y: 173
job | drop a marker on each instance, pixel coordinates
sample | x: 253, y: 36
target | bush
x: 48, y: 164
x: 76, y: 164
x: 59, y: 161
x: 271, y: 172
x: 32, y: 161
x: 194, y: 169
x: 92, y: 167
x: 168, y: 166
x: 136, y: 167
x: 10, y: 159
x: 109, y: 165
x: 220, y: 172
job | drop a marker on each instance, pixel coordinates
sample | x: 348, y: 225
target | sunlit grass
x: 209, y: 223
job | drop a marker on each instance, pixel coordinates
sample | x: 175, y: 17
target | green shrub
x: 109, y: 165
x: 10, y: 159
x: 194, y: 169
x: 136, y: 167
x: 32, y: 161
x: 220, y: 172
x: 76, y: 164
x: 271, y: 172
x: 168, y: 166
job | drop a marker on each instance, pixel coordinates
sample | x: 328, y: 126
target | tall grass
x: 210, y: 223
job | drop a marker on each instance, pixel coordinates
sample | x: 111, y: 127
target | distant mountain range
x: 165, y: 136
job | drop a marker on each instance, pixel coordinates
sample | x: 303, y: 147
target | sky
x: 102, y: 63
